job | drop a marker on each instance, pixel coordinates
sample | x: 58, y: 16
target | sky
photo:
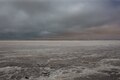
x: 60, y: 19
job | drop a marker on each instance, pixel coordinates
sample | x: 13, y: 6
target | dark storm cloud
x: 43, y: 18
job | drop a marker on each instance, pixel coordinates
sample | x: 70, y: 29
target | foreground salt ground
x: 60, y: 60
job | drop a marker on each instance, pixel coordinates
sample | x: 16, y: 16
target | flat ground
x: 59, y: 60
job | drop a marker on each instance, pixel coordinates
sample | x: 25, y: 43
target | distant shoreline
x: 63, y: 40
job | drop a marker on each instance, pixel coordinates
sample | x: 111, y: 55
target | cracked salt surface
x: 60, y: 60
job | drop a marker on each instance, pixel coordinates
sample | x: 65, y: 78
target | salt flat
x: 60, y: 60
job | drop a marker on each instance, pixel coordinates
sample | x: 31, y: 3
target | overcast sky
x: 36, y: 19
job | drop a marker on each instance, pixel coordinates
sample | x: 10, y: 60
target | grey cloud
x: 39, y: 18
